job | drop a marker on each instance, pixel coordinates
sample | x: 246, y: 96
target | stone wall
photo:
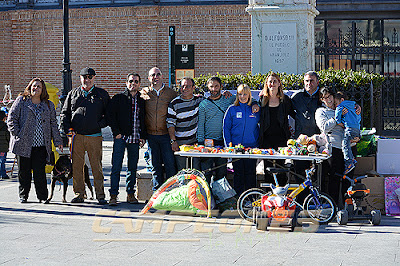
x: 115, y: 41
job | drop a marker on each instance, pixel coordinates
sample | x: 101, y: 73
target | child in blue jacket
x: 241, y: 127
x: 351, y: 123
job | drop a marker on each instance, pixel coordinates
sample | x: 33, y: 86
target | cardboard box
x: 387, y: 157
x: 376, y: 199
x: 144, y: 185
x: 365, y: 165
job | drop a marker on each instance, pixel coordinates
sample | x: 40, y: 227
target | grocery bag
x: 222, y: 190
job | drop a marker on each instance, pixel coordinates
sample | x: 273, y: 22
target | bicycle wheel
x: 323, y: 210
x: 249, y: 199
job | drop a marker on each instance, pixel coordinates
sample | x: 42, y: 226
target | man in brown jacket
x: 157, y: 97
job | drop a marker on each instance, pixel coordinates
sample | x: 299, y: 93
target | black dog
x: 62, y: 172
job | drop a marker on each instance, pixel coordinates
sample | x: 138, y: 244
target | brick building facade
x: 117, y: 40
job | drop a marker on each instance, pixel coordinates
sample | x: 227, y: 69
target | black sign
x: 184, y: 56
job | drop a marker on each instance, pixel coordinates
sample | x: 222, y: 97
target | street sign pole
x: 171, y: 53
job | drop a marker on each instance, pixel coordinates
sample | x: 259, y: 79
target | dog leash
x: 71, y: 147
x: 58, y: 172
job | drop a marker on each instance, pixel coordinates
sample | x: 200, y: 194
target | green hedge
x: 357, y: 84
x: 345, y: 80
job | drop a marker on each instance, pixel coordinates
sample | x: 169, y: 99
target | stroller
x: 353, y: 198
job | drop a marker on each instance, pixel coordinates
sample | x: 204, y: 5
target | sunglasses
x: 155, y: 75
x: 87, y: 76
x: 131, y: 81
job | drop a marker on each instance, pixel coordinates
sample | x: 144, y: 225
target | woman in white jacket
x: 332, y: 183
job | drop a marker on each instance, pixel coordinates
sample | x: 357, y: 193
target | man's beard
x: 215, y: 94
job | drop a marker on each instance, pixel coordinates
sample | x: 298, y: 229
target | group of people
x: 166, y: 120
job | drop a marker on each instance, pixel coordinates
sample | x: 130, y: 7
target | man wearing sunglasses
x: 82, y: 118
x: 126, y: 117
x: 157, y: 97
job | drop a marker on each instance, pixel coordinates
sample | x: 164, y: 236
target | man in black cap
x: 82, y: 118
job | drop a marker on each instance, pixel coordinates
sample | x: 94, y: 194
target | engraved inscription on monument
x: 279, y: 47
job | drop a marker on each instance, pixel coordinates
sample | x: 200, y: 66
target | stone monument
x: 282, y: 35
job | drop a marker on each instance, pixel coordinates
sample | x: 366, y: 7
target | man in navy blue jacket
x: 306, y: 102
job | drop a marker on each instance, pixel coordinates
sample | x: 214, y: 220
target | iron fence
x: 371, y: 45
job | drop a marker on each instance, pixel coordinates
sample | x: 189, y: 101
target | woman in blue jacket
x: 241, y: 127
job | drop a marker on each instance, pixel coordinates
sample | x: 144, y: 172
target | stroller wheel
x: 342, y: 217
x: 376, y: 217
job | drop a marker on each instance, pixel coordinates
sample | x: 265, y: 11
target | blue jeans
x: 161, y: 152
x: 349, y: 134
x: 147, y: 158
x: 117, y: 159
x: 3, y: 158
x: 207, y: 163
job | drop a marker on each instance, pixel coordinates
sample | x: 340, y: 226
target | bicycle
x: 319, y: 206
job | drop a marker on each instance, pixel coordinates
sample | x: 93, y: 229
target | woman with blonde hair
x: 275, y: 109
x: 241, y: 127
x: 32, y: 124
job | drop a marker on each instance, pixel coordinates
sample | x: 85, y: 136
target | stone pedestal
x: 282, y: 35
x: 144, y: 185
